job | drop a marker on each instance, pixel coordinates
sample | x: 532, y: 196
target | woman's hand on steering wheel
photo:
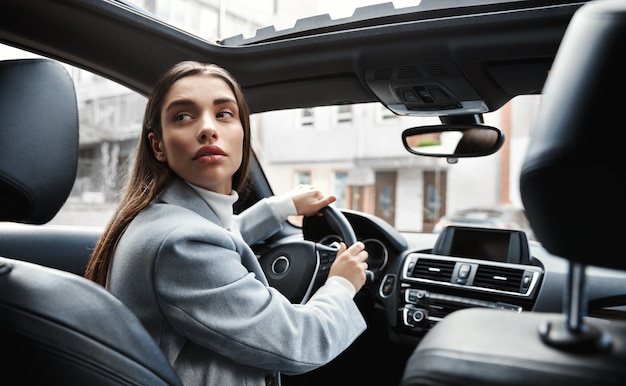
x: 309, y: 200
x: 351, y: 264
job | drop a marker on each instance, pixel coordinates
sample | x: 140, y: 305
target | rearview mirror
x: 453, y: 141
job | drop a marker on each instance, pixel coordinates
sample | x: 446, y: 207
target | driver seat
x: 57, y: 328
x: 572, y: 195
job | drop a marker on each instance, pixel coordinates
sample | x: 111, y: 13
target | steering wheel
x: 297, y: 268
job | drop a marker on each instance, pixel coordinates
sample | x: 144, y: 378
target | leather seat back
x: 57, y: 328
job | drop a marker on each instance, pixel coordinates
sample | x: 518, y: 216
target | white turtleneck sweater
x: 222, y: 205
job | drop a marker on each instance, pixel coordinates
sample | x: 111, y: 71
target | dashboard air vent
x: 499, y: 278
x: 431, y: 269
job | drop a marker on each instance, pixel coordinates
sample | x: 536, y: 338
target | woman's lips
x: 209, y: 153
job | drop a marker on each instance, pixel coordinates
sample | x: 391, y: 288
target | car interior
x: 487, y: 346
x: 466, y: 306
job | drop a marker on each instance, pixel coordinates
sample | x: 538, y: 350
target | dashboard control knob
x: 418, y: 316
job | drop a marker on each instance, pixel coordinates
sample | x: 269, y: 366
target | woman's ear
x: 157, y: 147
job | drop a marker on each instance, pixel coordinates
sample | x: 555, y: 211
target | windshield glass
x: 340, y: 149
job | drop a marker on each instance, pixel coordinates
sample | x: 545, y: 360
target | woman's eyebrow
x: 221, y: 101
x: 178, y: 102
x: 189, y: 102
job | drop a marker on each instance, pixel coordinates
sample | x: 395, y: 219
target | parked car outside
x: 502, y: 217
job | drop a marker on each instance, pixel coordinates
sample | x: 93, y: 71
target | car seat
x: 574, y: 199
x: 56, y: 328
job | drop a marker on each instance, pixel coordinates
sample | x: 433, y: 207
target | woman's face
x: 202, y: 133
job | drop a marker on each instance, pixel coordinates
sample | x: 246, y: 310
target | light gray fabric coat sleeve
x: 258, y: 222
x: 202, y: 295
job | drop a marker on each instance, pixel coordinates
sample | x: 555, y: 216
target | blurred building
x: 368, y: 176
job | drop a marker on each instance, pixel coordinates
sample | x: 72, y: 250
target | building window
x: 109, y: 112
x: 340, y: 184
x: 344, y: 114
x: 131, y: 108
x: 385, y: 115
x: 306, y: 118
x: 303, y: 178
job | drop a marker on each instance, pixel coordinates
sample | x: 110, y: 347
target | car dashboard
x: 418, y: 279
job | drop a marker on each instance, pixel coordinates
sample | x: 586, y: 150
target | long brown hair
x: 149, y: 176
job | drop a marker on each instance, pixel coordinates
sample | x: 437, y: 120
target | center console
x: 468, y: 267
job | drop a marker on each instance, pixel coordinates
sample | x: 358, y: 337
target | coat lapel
x: 180, y: 194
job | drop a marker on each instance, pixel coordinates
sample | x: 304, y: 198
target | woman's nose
x: 207, y: 131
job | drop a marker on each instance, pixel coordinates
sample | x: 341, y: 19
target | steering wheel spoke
x: 298, y: 268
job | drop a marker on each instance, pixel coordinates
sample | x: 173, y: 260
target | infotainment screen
x: 503, y: 245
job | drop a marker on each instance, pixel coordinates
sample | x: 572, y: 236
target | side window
x: 110, y: 118
x: 110, y: 122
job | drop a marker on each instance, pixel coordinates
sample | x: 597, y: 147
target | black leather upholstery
x: 67, y: 248
x: 485, y: 347
x: 56, y: 328
x: 574, y: 200
x: 570, y: 183
x: 39, y: 140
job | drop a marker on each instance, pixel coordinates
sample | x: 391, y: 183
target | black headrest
x: 571, y: 180
x: 38, y: 139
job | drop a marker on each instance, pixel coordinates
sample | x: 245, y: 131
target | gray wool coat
x: 201, y: 293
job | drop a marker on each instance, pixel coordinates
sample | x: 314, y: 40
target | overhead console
x: 468, y: 267
x: 424, y: 89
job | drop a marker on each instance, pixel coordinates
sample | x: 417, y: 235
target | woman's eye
x: 225, y: 114
x: 182, y: 117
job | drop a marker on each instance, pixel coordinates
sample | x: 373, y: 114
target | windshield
x: 340, y: 149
